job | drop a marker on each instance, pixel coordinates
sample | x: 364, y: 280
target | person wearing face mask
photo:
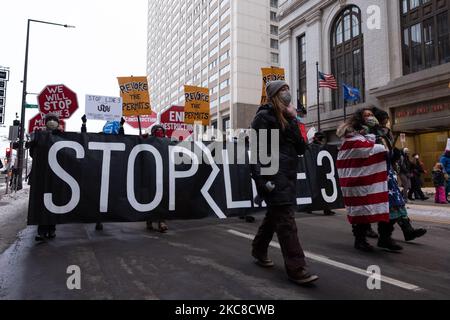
x: 52, y: 125
x: 417, y: 169
x: 363, y: 176
x: 279, y: 189
x: 445, y: 160
x: 397, y: 208
x: 157, y: 131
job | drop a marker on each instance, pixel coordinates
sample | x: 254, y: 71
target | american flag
x: 327, y: 81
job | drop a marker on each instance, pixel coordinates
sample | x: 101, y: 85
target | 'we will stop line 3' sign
x: 58, y: 99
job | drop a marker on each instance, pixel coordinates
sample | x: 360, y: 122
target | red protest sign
x: 58, y: 99
x: 173, y: 121
x: 146, y: 121
x: 38, y: 123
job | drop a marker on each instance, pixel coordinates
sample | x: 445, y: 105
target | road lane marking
x: 336, y: 264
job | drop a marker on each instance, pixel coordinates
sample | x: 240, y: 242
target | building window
x: 273, y: 16
x: 274, y: 57
x: 301, y: 41
x: 274, y: 43
x: 425, y: 33
x: 274, y: 3
x: 273, y: 30
x: 347, y: 58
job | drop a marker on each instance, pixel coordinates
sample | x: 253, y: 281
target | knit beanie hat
x: 273, y: 87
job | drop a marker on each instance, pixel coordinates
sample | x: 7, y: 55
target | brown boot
x: 302, y: 277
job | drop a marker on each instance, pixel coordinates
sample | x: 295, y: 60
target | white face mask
x: 52, y: 125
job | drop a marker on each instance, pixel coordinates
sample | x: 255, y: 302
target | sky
x: 110, y: 40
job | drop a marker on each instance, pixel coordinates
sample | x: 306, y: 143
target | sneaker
x: 424, y: 198
x: 263, y: 261
x: 99, y: 226
x: 328, y: 212
x: 303, y: 277
x: 389, y: 244
x: 149, y: 225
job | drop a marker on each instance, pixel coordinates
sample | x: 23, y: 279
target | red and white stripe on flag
x: 362, y: 171
x: 327, y: 81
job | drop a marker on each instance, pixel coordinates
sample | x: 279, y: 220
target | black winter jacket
x: 291, y: 145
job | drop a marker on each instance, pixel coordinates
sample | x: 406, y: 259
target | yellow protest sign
x: 135, y: 97
x: 196, y: 108
x: 270, y: 74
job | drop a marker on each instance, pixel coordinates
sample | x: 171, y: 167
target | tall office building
x: 219, y: 44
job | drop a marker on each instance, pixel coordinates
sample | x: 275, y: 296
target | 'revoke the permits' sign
x: 135, y: 96
x: 197, y: 107
x: 103, y: 108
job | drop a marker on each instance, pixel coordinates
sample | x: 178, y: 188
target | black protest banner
x: 81, y: 178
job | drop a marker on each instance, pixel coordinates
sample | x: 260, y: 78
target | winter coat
x: 438, y: 178
x: 405, y: 166
x: 445, y: 160
x: 291, y: 145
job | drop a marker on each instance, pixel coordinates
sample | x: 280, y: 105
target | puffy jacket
x: 445, y: 160
x: 291, y: 145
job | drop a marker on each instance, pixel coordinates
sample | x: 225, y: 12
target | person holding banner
x: 363, y: 176
x: 47, y: 231
x: 279, y: 189
x: 157, y: 131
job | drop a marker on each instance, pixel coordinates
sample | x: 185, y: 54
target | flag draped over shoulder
x: 362, y: 170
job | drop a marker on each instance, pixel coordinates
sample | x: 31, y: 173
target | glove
x: 261, y: 188
x: 84, y: 119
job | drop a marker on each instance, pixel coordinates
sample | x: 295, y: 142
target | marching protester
x: 445, y: 160
x: 363, y: 177
x: 397, y: 209
x: 440, y: 178
x: 405, y: 173
x: 47, y: 231
x: 417, y: 169
x: 157, y: 131
x: 279, y: 189
x: 110, y: 127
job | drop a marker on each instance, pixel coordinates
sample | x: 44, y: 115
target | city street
x: 210, y: 259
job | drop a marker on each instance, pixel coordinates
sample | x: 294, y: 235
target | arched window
x: 347, y: 55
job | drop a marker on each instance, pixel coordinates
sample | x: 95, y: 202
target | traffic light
x: 8, y: 153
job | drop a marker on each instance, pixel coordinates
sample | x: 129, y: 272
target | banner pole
x: 345, y: 102
x: 318, y: 97
x: 139, y: 123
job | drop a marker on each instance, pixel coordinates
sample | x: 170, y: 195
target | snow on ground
x: 13, y: 215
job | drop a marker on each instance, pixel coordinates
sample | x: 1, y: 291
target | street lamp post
x: 20, y: 151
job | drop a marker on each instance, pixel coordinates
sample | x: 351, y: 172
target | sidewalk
x: 13, y: 214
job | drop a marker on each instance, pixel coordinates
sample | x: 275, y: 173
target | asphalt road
x: 210, y: 259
